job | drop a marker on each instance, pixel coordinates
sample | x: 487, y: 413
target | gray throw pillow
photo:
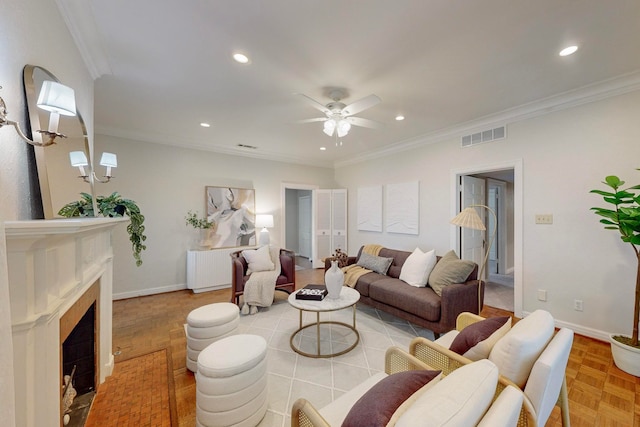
x: 374, y: 263
x: 449, y: 270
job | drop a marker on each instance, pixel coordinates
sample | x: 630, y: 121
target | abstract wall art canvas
x: 402, y: 208
x: 370, y: 208
x: 233, y: 210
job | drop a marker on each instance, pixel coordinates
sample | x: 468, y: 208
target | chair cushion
x: 460, y: 399
x: 517, y: 351
x: 476, y: 340
x: 505, y: 410
x: 417, y: 268
x: 258, y: 259
x: 377, y: 406
x: 449, y: 270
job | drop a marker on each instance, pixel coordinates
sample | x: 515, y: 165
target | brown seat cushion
x: 362, y: 285
x: 422, y: 302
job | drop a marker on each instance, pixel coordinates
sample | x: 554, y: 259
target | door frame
x: 283, y: 209
x: 518, y: 179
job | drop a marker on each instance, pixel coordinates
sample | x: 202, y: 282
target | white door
x: 323, y: 226
x: 339, y: 220
x: 472, y: 241
x: 304, y: 226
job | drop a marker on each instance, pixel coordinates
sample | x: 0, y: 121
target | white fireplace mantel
x: 51, y: 264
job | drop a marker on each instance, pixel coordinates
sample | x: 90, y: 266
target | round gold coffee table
x: 348, y: 298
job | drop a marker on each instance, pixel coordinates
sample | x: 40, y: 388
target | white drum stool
x: 231, y: 382
x: 208, y: 324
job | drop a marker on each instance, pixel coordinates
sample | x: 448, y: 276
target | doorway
x: 297, y: 222
x: 503, y: 194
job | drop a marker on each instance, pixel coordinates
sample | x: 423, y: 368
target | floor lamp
x: 469, y: 218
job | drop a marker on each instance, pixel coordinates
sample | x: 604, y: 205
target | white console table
x: 209, y: 270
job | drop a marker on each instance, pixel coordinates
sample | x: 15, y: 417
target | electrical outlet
x: 544, y: 219
x: 577, y: 305
x: 542, y: 295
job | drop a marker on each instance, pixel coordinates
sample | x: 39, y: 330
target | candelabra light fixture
x: 79, y: 159
x: 54, y: 97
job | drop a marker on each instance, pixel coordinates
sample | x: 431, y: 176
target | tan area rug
x: 138, y: 393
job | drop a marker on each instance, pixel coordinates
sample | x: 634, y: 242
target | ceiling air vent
x: 484, y: 136
x: 247, y: 146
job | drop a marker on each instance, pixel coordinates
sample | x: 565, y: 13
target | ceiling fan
x: 339, y: 116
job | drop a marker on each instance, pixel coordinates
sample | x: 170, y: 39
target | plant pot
x: 625, y: 357
x: 333, y: 280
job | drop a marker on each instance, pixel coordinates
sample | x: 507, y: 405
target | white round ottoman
x: 231, y: 382
x: 208, y: 324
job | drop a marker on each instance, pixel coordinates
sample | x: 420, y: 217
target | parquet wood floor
x: 599, y: 393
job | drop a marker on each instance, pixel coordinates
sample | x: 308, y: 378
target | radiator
x: 209, y: 270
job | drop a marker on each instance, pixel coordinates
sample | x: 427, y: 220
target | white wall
x: 166, y: 182
x: 564, y: 155
x: 31, y: 32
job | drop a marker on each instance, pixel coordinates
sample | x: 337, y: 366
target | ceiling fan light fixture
x: 343, y: 128
x: 329, y: 127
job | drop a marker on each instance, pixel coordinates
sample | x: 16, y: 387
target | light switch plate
x: 544, y: 219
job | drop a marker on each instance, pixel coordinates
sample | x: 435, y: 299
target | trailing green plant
x: 112, y: 206
x: 624, y: 217
x: 201, y: 223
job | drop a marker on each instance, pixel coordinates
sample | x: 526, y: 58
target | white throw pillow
x: 258, y: 259
x: 417, y: 267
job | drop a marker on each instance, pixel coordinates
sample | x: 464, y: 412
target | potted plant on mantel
x: 624, y: 217
x: 205, y: 226
x: 112, y: 206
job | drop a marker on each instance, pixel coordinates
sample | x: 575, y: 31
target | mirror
x: 59, y: 183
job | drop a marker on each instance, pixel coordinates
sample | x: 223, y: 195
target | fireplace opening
x: 79, y: 369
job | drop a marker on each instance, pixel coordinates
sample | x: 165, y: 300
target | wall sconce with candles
x: 79, y: 159
x: 54, y: 97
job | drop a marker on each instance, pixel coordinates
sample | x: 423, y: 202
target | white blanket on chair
x: 261, y: 286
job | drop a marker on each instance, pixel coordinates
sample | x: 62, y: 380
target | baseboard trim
x: 580, y: 329
x: 149, y: 291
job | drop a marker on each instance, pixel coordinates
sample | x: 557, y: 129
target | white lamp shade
x: 264, y: 221
x: 78, y: 158
x: 109, y: 160
x: 57, y: 98
x: 469, y: 218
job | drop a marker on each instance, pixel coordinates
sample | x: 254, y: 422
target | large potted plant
x: 624, y: 216
x: 112, y: 206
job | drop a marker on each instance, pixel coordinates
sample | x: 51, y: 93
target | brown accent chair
x: 286, y: 281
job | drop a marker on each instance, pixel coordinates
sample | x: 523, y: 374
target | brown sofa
x: 421, y: 306
x: 286, y: 280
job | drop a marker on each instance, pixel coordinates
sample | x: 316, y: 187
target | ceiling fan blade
x: 366, y: 123
x: 317, y: 119
x: 315, y: 104
x: 360, y: 105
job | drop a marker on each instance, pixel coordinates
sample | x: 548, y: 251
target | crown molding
x: 619, y: 85
x: 79, y: 19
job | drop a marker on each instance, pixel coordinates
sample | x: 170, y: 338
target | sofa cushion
x: 362, y: 285
x: 460, y: 399
x: 399, y: 258
x: 517, y: 351
x: 417, y: 267
x: 374, y: 263
x: 377, y: 406
x: 476, y: 340
x: 449, y: 270
x: 422, y: 302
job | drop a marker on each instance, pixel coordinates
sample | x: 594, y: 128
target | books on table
x: 312, y: 292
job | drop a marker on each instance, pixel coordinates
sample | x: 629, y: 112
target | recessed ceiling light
x: 323, y: 148
x: 568, y: 50
x: 239, y: 57
x: 400, y: 117
x: 205, y: 125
